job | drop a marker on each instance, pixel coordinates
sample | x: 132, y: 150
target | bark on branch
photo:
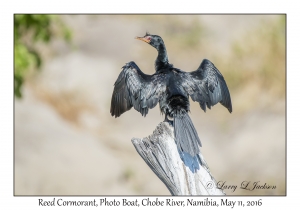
x: 180, y: 172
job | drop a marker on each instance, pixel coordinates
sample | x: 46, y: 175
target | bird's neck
x: 162, y: 58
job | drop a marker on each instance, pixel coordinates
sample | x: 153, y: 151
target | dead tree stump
x: 180, y: 172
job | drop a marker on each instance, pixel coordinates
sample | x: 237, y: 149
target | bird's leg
x: 166, y: 119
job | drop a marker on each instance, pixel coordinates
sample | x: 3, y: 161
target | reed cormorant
x: 171, y: 87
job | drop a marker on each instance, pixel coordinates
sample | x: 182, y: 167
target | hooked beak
x: 144, y: 39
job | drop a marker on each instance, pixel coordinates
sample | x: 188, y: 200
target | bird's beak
x: 144, y: 39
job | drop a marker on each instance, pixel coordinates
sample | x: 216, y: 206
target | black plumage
x: 171, y: 87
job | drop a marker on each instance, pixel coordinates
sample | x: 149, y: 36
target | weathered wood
x: 180, y: 172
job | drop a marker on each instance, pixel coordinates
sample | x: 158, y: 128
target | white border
x: 8, y: 201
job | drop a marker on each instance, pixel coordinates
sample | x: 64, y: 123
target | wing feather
x: 135, y: 89
x: 207, y: 86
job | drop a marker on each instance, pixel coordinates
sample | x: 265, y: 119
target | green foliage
x: 28, y: 30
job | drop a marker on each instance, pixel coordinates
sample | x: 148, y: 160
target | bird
x: 171, y: 88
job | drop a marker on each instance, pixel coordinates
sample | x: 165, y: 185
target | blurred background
x: 67, y: 143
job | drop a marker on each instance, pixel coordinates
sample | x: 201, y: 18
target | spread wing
x: 135, y: 89
x: 207, y: 86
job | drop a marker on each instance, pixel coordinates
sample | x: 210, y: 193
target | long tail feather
x: 186, y: 136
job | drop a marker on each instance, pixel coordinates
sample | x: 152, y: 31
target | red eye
x: 148, y: 38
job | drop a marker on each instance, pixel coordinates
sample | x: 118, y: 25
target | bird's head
x: 154, y: 40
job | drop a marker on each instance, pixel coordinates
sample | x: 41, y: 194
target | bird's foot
x: 169, y: 120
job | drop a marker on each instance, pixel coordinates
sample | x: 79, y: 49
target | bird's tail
x: 186, y: 135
